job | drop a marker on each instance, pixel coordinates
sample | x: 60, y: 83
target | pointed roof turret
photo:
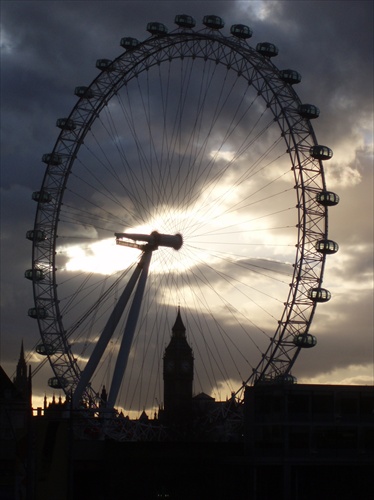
x: 21, y: 366
x: 178, y: 342
x: 21, y: 379
x: 103, y: 397
x: 179, y: 330
x: 143, y: 417
x: 22, y: 353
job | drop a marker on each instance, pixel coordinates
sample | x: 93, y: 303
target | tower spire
x: 21, y: 379
x: 179, y: 330
x: 22, y: 353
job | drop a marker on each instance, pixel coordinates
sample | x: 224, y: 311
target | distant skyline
x: 48, y: 48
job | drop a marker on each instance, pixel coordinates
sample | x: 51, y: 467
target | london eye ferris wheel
x: 187, y: 174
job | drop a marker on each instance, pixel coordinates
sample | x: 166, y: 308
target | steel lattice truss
x: 259, y: 71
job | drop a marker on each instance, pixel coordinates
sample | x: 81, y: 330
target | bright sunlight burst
x: 206, y: 228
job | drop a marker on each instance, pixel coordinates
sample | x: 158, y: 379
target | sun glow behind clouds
x: 106, y: 257
x: 103, y: 257
x: 210, y: 227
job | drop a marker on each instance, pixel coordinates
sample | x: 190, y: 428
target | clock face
x: 185, y: 366
x: 170, y: 366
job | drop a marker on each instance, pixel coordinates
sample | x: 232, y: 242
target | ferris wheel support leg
x: 128, y: 334
x: 106, y: 335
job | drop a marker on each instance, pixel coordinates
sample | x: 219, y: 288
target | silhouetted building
x: 16, y: 466
x: 22, y: 379
x: 178, y: 376
x: 314, y: 441
x: 293, y: 442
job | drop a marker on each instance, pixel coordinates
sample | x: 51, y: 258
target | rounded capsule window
x: 319, y: 295
x: 52, y: 159
x: 35, y: 235
x: 305, y: 340
x: 185, y: 21
x: 65, y: 124
x: 286, y: 378
x: 85, y: 92
x: 34, y: 274
x: 327, y: 198
x: 37, y: 312
x: 327, y: 247
x: 129, y: 43
x: 105, y: 65
x: 320, y: 152
x: 267, y: 49
x: 57, y: 383
x: 241, y: 31
x: 308, y: 111
x: 290, y: 76
x: 213, y: 22
x: 157, y: 28
x: 45, y: 349
x: 41, y: 196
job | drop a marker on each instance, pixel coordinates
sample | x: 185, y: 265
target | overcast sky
x: 49, y: 47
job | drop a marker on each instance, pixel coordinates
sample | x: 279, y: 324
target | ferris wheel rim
x: 162, y: 45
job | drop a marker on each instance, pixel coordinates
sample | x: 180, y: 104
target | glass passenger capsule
x: 57, y: 382
x: 267, y: 49
x: 35, y: 235
x: 213, y: 22
x: 85, y: 92
x: 45, y: 349
x: 185, y: 21
x: 155, y: 28
x: 129, y: 43
x: 241, y: 31
x: 305, y: 340
x: 319, y: 295
x: 286, y: 378
x: 65, y: 124
x: 290, y: 76
x: 327, y: 198
x: 34, y: 274
x: 320, y: 152
x: 52, y: 159
x: 105, y: 65
x: 327, y: 247
x: 37, y: 312
x: 41, y: 196
x: 308, y: 111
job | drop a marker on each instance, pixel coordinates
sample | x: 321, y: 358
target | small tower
x: 21, y: 380
x: 178, y: 376
x: 103, y: 398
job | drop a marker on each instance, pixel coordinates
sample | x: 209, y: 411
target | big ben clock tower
x: 178, y: 376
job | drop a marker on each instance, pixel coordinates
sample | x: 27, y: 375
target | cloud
x: 348, y: 375
x: 47, y: 51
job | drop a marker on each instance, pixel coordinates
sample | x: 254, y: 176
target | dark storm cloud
x: 331, y: 45
x: 328, y: 40
x: 48, y: 48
